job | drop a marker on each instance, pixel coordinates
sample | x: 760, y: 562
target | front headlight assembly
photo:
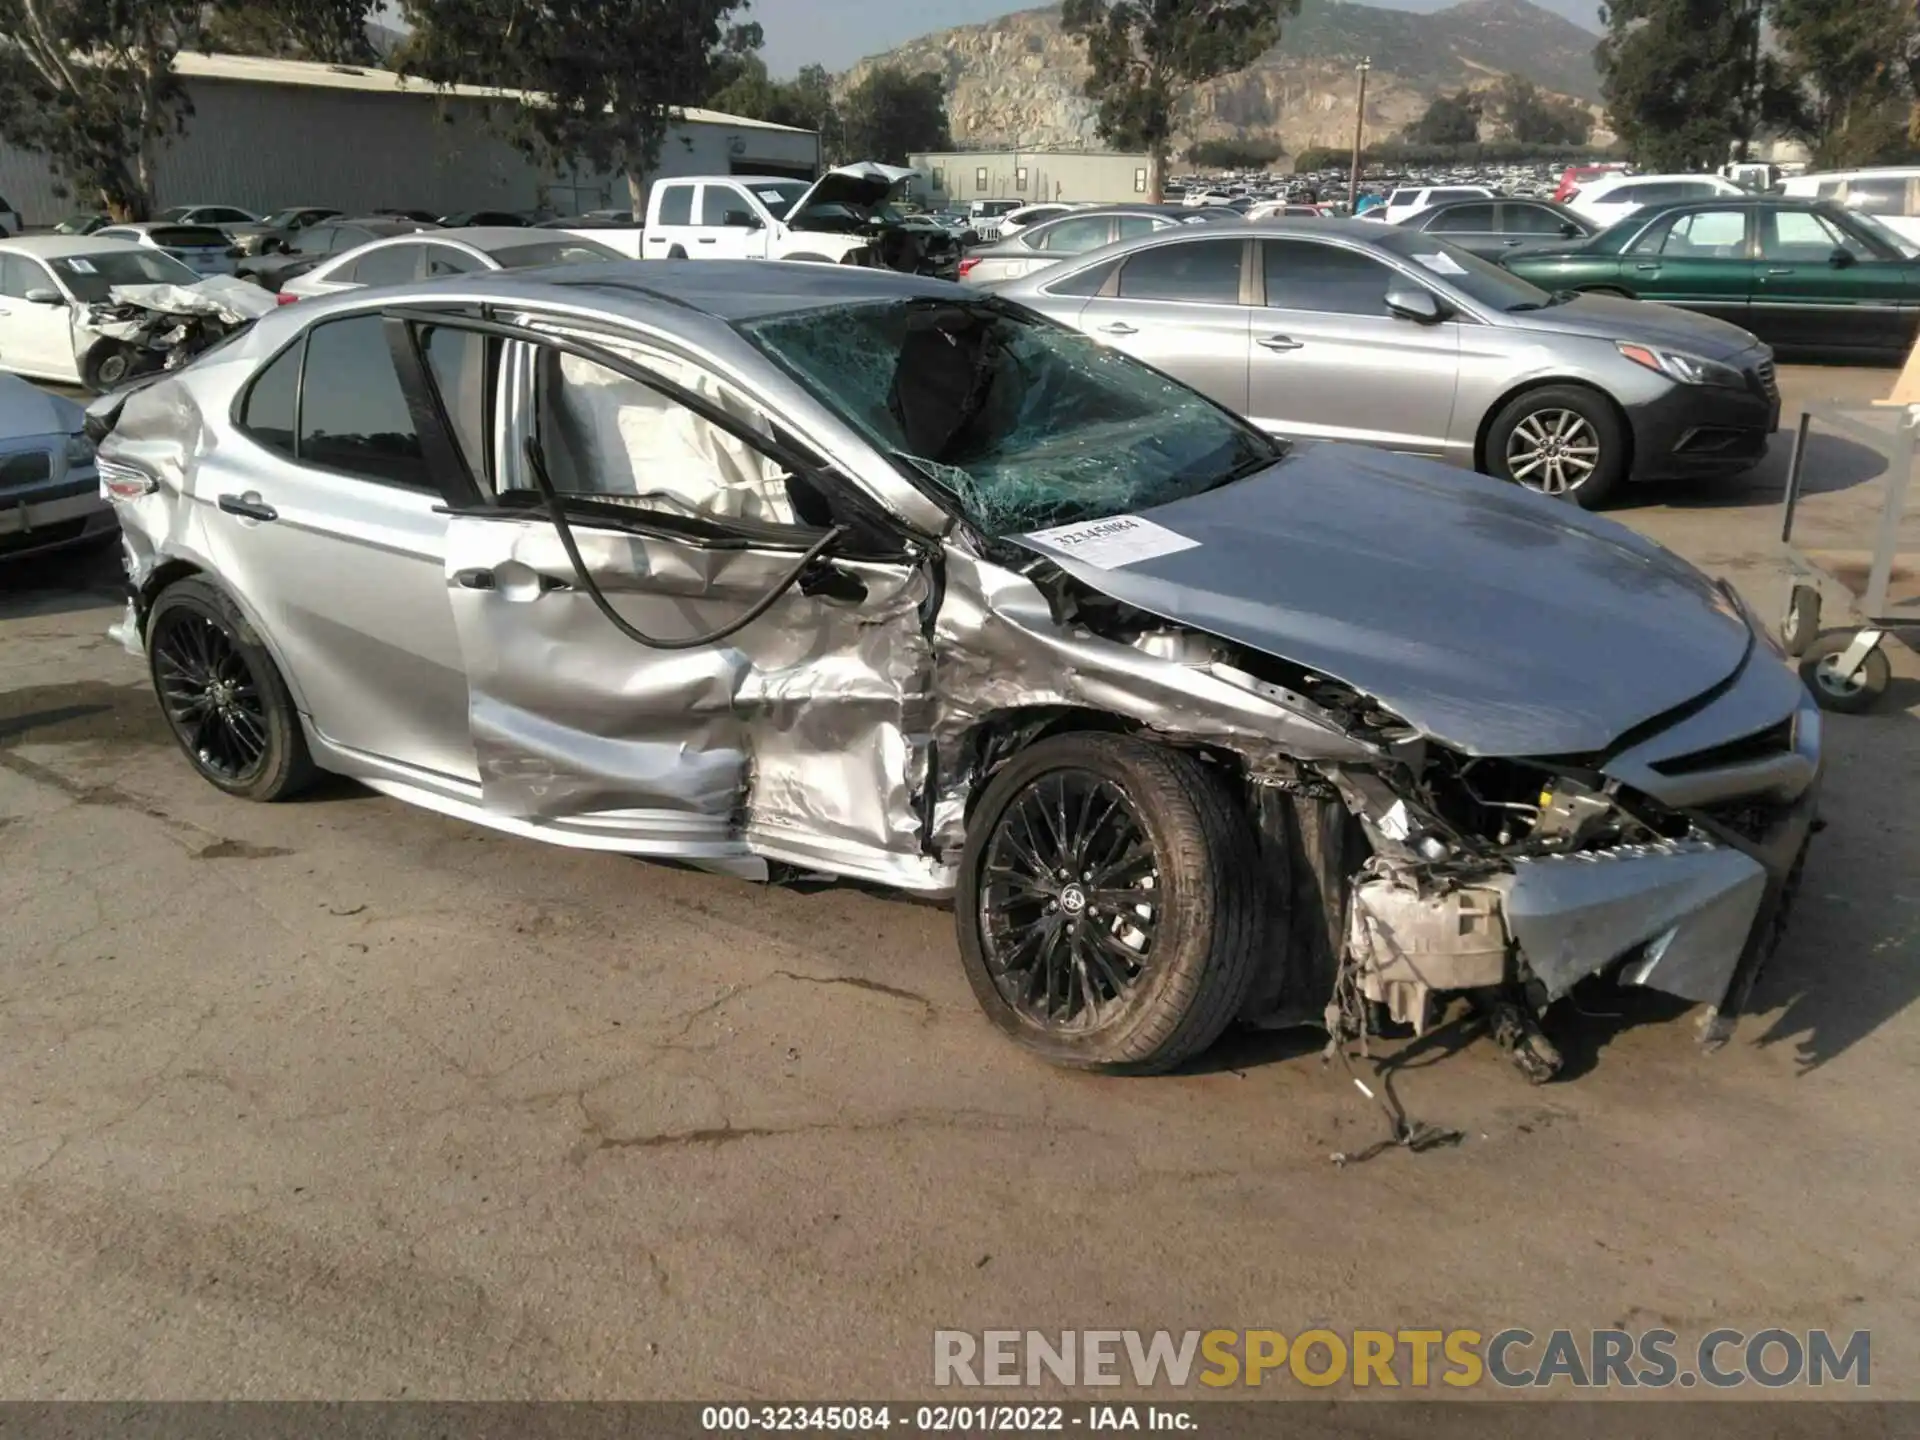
x: 1678, y: 365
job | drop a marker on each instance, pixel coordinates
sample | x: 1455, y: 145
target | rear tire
x: 222, y: 695
x: 1108, y: 909
x: 1559, y: 440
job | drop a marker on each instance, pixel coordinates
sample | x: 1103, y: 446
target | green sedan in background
x: 1810, y: 278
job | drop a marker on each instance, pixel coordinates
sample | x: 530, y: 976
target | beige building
x: 1032, y: 175
x: 271, y: 133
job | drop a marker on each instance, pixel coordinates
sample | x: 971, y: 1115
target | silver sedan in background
x: 1065, y: 236
x: 425, y: 254
x: 1337, y: 330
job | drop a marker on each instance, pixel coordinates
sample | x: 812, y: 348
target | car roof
x: 384, y: 225
x: 480, y: 237
x: 51, y: 247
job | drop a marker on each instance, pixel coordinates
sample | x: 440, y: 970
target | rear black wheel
x: 1107, y: 903
x: 223, y: 697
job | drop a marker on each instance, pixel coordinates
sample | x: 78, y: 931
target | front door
x: 1330, y: 362
x: 731, y: 227
x: 1181, y: 307
x: 1699, y: 259
x: 1820, y: 287
x: 678, y: 730
x: 35, y: 338
x: 324, y: 514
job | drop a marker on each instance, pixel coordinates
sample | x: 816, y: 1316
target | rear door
x: 1701, y: 259
x: 324, y: 513
x: 1330, y: 363
x: 1182, y: 306
x: 1820, y: 287
x: 790, y: 738
x: 1473, y: 226
x: 672, y: 230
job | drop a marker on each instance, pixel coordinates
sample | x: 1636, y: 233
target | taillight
x: 283, y: 298
x: 966, y: 266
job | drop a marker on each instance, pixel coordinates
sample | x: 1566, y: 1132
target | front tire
x: 1559, y: 440
x: 222, y: 695
x: 1108, y: 900
x: 107, y: 366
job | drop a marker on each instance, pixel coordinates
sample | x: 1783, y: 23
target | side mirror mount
x: 41, y: 295
x: 1408, y: 301
x: 1570, y: 230
x: 1841, y: 257
x: 742, y: 220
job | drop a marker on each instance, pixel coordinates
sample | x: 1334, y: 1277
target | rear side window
x: 352, y: 414
x: 1403, y: 197
x: 1871, y: 197
x: 268, y: 413
x: 676, y: 205
x: 1196, y: 271
x: 188, y: 237
x: 1441, y: 195
x: 389, y: 265
x: 445, y: 260
x: 1075, y: 237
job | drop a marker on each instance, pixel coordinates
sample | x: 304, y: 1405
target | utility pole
x: 1359, y: 132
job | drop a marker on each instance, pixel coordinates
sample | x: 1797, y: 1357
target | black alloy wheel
x: 211, y: 697
x: 222, y: 696
x: 1070, y: 903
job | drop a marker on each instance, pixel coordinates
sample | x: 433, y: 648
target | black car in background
x: 316, y: 242
x: 1495, y: 228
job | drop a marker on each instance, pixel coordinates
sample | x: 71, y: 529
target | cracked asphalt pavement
x: 345, y: 1099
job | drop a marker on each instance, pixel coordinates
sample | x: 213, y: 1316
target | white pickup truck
x: 844, y: 217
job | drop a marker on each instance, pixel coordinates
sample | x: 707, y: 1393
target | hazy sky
x: 837, y: 32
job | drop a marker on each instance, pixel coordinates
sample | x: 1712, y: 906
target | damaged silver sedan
x: 775, y: 568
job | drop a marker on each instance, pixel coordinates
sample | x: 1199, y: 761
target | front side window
x: 315, y: 240
x: 1801, y: 237
x: 552, y: 252
x: 1195, y: 271
x: 1302, y: 275
x: 20, y: 274
x: 720, y: 204
x: 445, y: 260
x: 1531, y: 220
x: 1021, y: 423
x: 1875, y: 197
x: 352, y: 414
x: 610, y: 438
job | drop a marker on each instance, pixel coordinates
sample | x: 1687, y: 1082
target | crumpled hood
x: 28, y: 411
x: 1497, y: 621
x: 866, y: 184
x: 1610, y: 317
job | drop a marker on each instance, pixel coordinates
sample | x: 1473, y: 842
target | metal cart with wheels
x: 1848, y: 669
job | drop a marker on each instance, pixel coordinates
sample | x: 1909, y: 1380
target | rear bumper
x: 1702, y: 430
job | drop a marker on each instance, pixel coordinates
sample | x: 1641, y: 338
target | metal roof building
x: 271, y: 133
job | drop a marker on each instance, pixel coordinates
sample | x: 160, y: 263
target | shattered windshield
x: 1024, y: 424
x: 90, y: 277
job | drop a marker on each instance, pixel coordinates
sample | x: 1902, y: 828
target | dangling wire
x: 556, y: 512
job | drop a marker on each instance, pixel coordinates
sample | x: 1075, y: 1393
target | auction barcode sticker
x: 1116, y: 541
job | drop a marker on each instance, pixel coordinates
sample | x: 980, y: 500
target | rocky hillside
x: 1016, y: 80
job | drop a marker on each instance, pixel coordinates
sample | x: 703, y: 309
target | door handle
x: 706, y: 239
x: 1279, y: 342
x: 1779, y: 270
x: 248, y: 506
x: 1119, y: 327
x: 1648, y: 265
